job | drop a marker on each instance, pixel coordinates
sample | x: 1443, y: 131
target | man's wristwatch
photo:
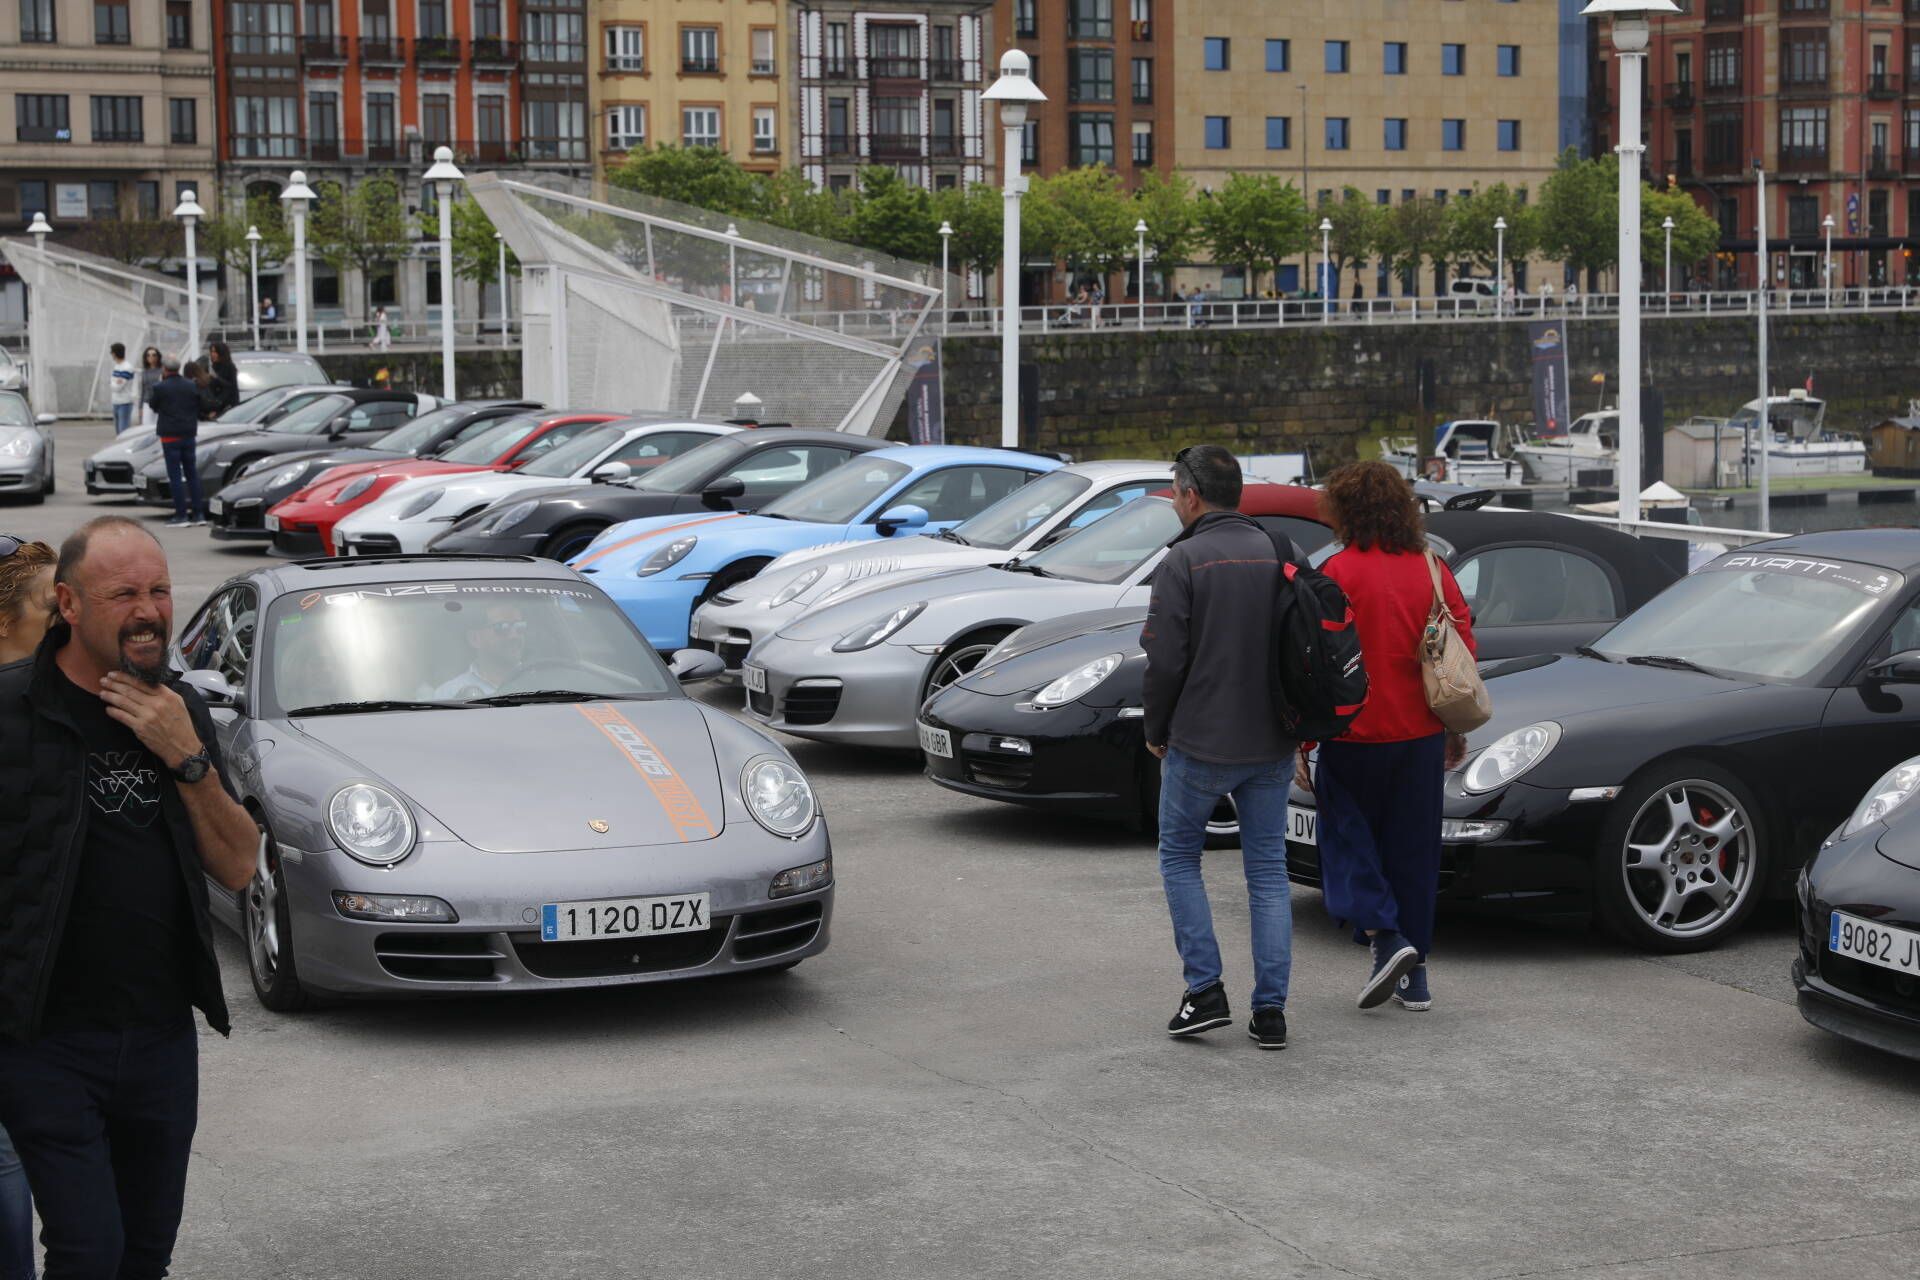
x: 193, y: 768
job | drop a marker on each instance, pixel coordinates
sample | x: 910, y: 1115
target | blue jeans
x: 16, y: 1216
x: 183, y: 478
x: 1379, y: 830
x: 1189, y: 790
x: 122, y: 417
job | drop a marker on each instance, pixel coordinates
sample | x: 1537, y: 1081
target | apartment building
x: 1823, y: 94
x: 1107, y: 68
x: 1396, y: 99
x: 697, y: 73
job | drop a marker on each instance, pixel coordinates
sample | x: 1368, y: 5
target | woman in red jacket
x: 1379, y: 785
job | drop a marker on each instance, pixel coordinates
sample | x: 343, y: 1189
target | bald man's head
x: 114, y: 591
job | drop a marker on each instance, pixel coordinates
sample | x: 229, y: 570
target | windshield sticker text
x: 394, y: 591
x: 1871, y: 582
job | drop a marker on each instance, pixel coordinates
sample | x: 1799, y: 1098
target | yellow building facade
x: 691, y: 73
x: 1398, y: 98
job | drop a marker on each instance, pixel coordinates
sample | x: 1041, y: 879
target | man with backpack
x: 1213, y: 720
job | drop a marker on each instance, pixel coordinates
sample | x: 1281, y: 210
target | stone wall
x: 1330, y: 390
x: 478, y: 373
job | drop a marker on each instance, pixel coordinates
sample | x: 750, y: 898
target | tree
x: 1696, y: 235
x: 978, y: 216
x: 1083, y: 218
x: 1580, y: 212
x: 1165, y: 203
x: 358, y: 229
x: 1410, y: 235
x: 894, y: 217
x: 1471, y: 238
x: 1356, y: 229
x: 476, y: 254
x: 1256, y: 220
x: 789, y: 199
x: 702, y: 176
x: 134, y: 242
x: 225, y: 236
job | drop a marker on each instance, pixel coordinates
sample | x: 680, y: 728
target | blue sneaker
x: 1412, y: 992
x: 1393, y: 956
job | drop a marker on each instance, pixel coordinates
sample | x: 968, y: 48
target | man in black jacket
x: 1209, y: 641
x: 118, y: 808
x: 176, y: 403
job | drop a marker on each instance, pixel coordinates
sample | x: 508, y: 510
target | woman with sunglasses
x: 26, y: 611
x: 150, y: 372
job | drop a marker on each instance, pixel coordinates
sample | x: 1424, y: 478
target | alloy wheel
x: 1224, y: 822
x: 263, y: 926
x: 1689, y: 860
x: 955, y: 664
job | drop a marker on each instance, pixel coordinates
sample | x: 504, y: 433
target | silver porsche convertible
x: 472, y: 774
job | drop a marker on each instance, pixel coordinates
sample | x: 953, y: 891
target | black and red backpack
x: 1320, y: 681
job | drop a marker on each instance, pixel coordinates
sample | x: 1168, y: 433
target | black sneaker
x: 178, y: 522
x: 1201, y: 1011
x: 1269, y: 1027
x: 1393, y: 957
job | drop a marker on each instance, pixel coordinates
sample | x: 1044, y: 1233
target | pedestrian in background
x: 121, y: 388
x: 177, y: 404
x: 1209, y: 638
x: 107, y: 945
x: 1378, y: 787
x: 149, y: 375
x: 225, y: 376
x: 382, y: 335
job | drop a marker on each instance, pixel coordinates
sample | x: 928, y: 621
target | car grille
x: 12, y: 481
x: 438, y: 957
x: 299, y: 542
x: 611, y: 957
x: 1899, y: 991
x: 245, y: 515
x: 116, y: 473
x: 761, y: 704
x: 376, y: 544
x: 811, y: 702
x: 1011, y: 772
x: 768, y: 933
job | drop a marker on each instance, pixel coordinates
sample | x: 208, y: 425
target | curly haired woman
x: 1378, y: 786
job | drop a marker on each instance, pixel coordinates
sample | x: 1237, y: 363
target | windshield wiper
x: 1023, y: 567
x: 540, y: 695
x: 1668, y: 661
x: 376, y: 704
x: 1588, y: 651
x: 950, y: 536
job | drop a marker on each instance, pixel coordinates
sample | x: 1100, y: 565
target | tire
x: 566, y: 543
x: 235, y: 468
x: 47, y: 489
x: 1683, y: 859
x: 270, y: 955
x: 1223, y: 828
x: 727, y: 577
x: 958, y: 658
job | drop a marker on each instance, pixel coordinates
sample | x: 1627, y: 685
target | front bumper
x: 26, y: 478
x: 495, y: 945
x: 867, y: 699
x: 1079, y: 759
x: 109, y: 477
x: 731, y: 630
x: 154, y: 490
x: 240, y: 520
x: 1858, y: 1001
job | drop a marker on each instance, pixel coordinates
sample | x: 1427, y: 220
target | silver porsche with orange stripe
x: 473, y: 774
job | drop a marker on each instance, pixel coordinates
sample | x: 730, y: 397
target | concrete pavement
x: 974, y: 1081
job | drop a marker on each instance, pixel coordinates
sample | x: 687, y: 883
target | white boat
x: 1585, y: 457
x: 1472, y: 452
x: 1797, y: 441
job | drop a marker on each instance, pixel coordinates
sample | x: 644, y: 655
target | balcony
x: 547, y: 53
x: 1680, y: 96
x: 894, y: 146
x: 437, y: 51
x: 1883, y: 86
x: 382, y: 51
x: 492, y: 51
x: 949, y: 70
x: 1723, y: 88
x: 626, y: 64
x: 894, y: 69
x: 1089, y: 28
x: 263, y: 47
x: 839, y: 144
x: 700, y: 65
x: 1790, y: 9
x: 1803, y: 159
x: 1880, y: 166
x: 323, y: 50
x: 323, y: 149
x: 952, y: 146
x: 763, y: 67
x: 382, y: 150
x: 1809, y: 88
x: 836, y: 69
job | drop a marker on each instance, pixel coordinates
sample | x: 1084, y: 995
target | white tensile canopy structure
x: 648, y: 306
x: 79, y: 303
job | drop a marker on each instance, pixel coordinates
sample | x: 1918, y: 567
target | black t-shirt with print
x: 126, y: 956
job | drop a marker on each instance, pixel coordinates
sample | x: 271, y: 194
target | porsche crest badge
x: 600, y: 826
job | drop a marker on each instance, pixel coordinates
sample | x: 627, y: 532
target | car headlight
x: 778, y: 796
x: 1077, y: 684
x: 512, y: 516
x: 353, y: 490
x: 793, y: 589
x: 18, y: 444
x: 666, y: 557
x: 815, y: 875
x: 1895, y: 788
x: 872, y: 633
x: 421, y: 504
x: 1509, y: 756
x: 371, y: 824
x: 287, y: 475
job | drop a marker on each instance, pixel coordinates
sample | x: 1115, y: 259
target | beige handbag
x: 1454, y: 689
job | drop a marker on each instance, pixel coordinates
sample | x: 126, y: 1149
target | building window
x: 1723, y: 67
x: 1453, y: 59
x: 41, y: 117
x: 1396, y: 135
x: 554, y: 129
x: 1803, y: 217
x: 839, y: 127
x: 1030, y: 143
x: 1509, y: 135
x: 1723, y: 139
x: 1026, y: 19
x: 1336, y: 57
x: 761, y: 39
x: 146, y: 201
x: 1142, y: 13
x: 183, y: 121
x: 436, y: 119
x: 36, y: 22
x: 700, y: 126
x: 1090, y: 20
x: 554, y: 36
x: 103, y: 199
x: 1092, y: 134
x: 491, y: 113
x: 700, y: 50
x: 1913, y: 144
x: 896, y: 125
x: 1279, y: 133
x: 1219, y: 53
x: 110, y: 24
x: 265, y: 127
x: 1143, y: 80
x: 1090, y: 75
x: 838, y: 64
x: 1803, y: 137
x: 179, y: 24
x: 1336, y: 133
x: 1805, y: 58
x: 1142, y: 143
x: 1453, y: 135
x: 766, y: 139
x: 1393, y: 58
x: 946, y: 63
x: 1279, y: 55
x: 323, y: 125
x: 486, y: 20
x: 1509, y: 60
x: 380, y: 126
x: 627, y: 49
x: 432, y: 23
x: 626, y: 128
x: 1219, y: 133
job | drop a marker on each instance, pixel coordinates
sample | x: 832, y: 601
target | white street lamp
x: 1666, y: 273
x: 1827, y: 224
x: 443, y: 175
x: 1140, y: 248
x: 505, y: 323
x: 1761, y: 258
x: 253, y: 281
x: 189, y: 212
x: 37, y: 377
x: 1016, y: 93
x: 946, y: 303
x: 1631, y: 35
x: 747, y: 407
x: 297, y: 196
x: 40, y: 229
x: 1499, y: 267
x: 1326, y: 270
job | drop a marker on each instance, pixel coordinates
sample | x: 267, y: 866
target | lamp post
x: 1326, y: 270
x: 443, y: 175
x: 1499, y: 267
x: 505, y: 321
x: 39, y: 229
x: 1140, y: 251
x: 1016, y: 93
x: 1666, y: 272
x: 1826, y: 224
x: 297, y: 196
x: 189, y: 212
x: 1631, y: 36
x: 946, y: 303
x: 253, y: 281
x: 1766, y: 416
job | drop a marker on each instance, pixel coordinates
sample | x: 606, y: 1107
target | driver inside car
x: 499, y: 645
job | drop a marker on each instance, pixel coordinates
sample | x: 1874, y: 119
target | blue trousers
x: 1379, y: 833
x: 183, y: 478
x: 16, y: 1216
x: 122, y: 417
x: 1189, y: 790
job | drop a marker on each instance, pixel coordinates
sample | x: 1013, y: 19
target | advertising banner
x: 1552, y: 401
x: 925, y: 424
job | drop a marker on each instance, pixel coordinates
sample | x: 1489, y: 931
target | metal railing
x: 341, y: 335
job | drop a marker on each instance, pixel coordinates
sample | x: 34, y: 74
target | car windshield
x: 1010, y: 519
x: 419, y: 433
x: 679, y: 475
x: 501, y: 437
x: 1755, y: 615
x: 1111, y: 548
x: 312, y: 419
x: 258, y: 375
x: 453, y: 642
x: 841, y: 494
x: 576, y: 453
x: 14, y: 411
x: 259, y: 407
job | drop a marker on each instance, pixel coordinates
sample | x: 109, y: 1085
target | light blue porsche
x: 658, y: 569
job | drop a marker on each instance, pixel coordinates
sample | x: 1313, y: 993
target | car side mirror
x: 612, y: 473
x: 1901, y: 668
x: 723, y: 489
x: 214, y: 688
x: 339, y: 427
x: 47, y: 419
x: 894, y: 519
x: 692, y: 665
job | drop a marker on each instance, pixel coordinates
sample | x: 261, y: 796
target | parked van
x: 1471, y: 293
